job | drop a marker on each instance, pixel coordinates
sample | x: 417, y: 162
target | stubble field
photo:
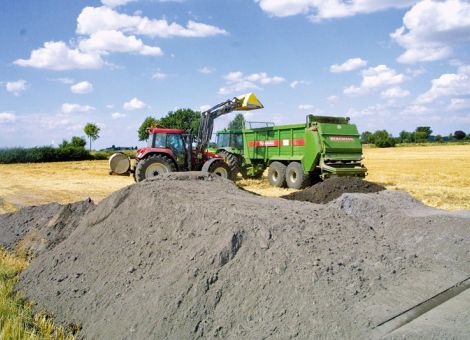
x: 437, y: 175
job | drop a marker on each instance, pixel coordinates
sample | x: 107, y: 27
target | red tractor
x: 177, y: 150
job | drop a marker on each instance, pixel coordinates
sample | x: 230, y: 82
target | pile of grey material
x: 189, y: 256
x: 34, y: 230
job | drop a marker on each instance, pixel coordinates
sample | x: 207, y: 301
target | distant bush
x: 39, y: 154
x: 386, y: 142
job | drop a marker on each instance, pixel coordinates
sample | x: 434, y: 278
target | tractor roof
x: 163, y: 130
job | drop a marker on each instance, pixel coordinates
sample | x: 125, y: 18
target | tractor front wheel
x: 233, y: 163
x: 220, y: 169
x: 295, y: 176
x: 152, y: 166
x: 277, y: 174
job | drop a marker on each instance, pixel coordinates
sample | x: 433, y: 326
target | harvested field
x: 149, y: 262
x: 433, y: 174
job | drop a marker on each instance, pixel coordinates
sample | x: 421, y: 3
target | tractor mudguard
x: 207, y: 165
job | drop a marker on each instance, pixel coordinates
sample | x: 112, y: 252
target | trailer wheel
x: 233, y: 163
x: 220, y: 169
x: 277, y: 175
x: 152, y: 166
x: 295, y: 176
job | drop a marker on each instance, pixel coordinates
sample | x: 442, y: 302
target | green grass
x: 17, y: 319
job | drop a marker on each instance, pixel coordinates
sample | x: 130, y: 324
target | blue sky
x: 386, y: 64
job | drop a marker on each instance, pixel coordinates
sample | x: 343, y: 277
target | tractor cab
x: 171, y: 141
x: 230, y: 140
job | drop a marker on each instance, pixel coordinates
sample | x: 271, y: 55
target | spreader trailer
x: 296, y: 155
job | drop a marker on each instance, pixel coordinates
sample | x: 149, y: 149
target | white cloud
x: 115, y: 41
x: 238, y: 82
x: 159, y: 75
x: 296, y: 83
x: 134, y: 104
x: 415, y: 109
x: 349, y: 65
x: 115, y: 3
x: 431, y: 29
x: 449, y: 84
x: 16, y: 87
x: 306, y: 107
x: 66, y: 81
x: 459, y: 104
x: 395, y: 92
x: 110, y: 106
x: 7, y: 117
x: 415, y: 72
x: 327, y: 9
x: 74, y: 108
x: 95, y: 19
x: 373, y: 78
x: 206, y: 70
x: 118, y: 115
x: 56, y: 55
x: 82, y: 87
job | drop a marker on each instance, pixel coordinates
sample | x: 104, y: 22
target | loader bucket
x: 249, y: 102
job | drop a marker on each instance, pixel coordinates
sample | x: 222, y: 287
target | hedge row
x: 43, y: 154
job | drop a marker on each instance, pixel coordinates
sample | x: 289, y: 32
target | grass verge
x: 17, y: 319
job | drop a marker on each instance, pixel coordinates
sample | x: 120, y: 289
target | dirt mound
x: 189, y: 256
x: 33, y: 230
x: 333, y: 188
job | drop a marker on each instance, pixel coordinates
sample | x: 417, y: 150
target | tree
x: 383, y: 139
x: 424, y: 132
x: 367, y: 137
x: 405, y: 137
x: 78, y: 142
x: 184, y: 119
x: 438, y: 139
x: 142, y: 132
x: 92, y: 131
x: 238, y: 123
x: 421, y: 136
x: 459, y: 135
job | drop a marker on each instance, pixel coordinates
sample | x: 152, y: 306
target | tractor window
x: 159, y: 140
x: 223, y: 140
x: 175, y: 142
x: 237, y: 140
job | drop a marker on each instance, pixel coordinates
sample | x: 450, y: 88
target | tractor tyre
x: 220, y: 169
x: 152, y: 166
x: 295, y: 176
x: 233, y: 163
x: 277, y: 175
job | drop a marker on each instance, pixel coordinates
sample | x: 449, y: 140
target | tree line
x: 422, y: 134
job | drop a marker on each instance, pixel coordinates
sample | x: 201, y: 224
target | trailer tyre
x: 152, y: 166
x: 233, y: 163
x: 295, y: 176
x: 277, y: 175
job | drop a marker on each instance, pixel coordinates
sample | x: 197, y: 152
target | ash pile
x: 188, y: 256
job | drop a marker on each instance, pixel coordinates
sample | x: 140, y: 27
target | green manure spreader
x: 296, y: 155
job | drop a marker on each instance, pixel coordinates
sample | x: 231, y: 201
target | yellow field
x: 437, y: 175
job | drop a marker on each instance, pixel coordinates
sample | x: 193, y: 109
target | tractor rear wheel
x: 295, y: 176
x: 152, y: 166
x: 277, y: 174
x: 233, y: 163
x: 220, y: 169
